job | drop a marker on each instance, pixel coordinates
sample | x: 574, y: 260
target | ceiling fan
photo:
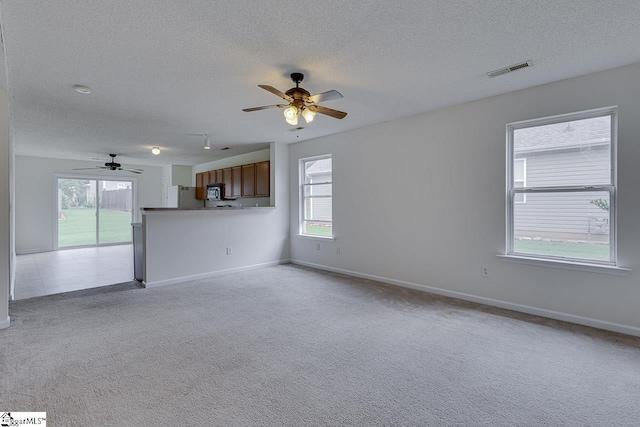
x: 301, y: 102
x: 112, y: 166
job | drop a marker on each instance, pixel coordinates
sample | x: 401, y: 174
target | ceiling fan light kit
x: 291, y: 115
x: 301, y: 102
x: 207, y: 142
x: 308, y: 115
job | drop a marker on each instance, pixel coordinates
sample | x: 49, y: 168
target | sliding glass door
x: 94, y: 212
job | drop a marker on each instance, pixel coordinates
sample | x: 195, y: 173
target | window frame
x: 524, y: 179
x: 611, y: 188
x: 303, y: 198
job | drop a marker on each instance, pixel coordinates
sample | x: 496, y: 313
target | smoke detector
x: 509, y: 69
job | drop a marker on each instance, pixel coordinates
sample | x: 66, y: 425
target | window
x: 561, y: 187
x: 316, y: 208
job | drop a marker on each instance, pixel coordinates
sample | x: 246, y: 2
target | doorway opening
x: 94, y: 212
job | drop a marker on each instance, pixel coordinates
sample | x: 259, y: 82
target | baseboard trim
x: 5, y: 323
x: 571, y: 318
x: 212, y: 274
x: 33, y: 251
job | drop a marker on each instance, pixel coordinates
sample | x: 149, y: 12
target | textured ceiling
x: 161, y: 69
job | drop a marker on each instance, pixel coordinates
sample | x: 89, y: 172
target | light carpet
x: 292, y: 346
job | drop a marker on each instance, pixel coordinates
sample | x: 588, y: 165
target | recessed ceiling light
x: 155, y: 150
x: 82, y: 89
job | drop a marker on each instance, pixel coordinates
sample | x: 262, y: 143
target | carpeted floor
x: 291, y: 346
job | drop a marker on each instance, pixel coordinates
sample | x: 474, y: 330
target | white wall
x: 421, y: 201
x: 185, y: 245
x: 36, y: 198
x: 5, y: 197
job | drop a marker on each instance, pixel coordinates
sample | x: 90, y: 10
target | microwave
x: 214, y: 191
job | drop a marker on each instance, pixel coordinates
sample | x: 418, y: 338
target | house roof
x: 319, y: 166
x: 566, y: 135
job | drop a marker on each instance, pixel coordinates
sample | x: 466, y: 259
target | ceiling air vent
x: 509, y: 69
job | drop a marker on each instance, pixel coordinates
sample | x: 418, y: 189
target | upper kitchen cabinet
x: 201, y: 185
x: 262, y: 188
x: 236, y: 181
x: 228, y: 182
x: 211, y: 177
x: 248, y: 180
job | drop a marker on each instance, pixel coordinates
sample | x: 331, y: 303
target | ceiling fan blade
x: 264, y: 107
x: 327, y: 111
x: 86, y: 169
x: 276, y: 92
x: 131, y: 170
x: 324, y: 96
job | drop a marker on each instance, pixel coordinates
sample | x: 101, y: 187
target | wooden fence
x: 116, y: 200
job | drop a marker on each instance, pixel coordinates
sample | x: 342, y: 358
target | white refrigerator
x: 181, y: 196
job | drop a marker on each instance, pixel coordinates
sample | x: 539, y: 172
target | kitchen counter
x: 203, y: 209
x: 193, y: 243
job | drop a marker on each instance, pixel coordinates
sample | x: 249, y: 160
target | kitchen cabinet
x: 262, y: 188
x: 236, y: 181
x: 211, y: 177
x: 248, y: 180
x: 227, y: 181
x: 201, y: 185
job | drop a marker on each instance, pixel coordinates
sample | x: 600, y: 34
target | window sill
x: 567, y: 265
x: 309, y: 236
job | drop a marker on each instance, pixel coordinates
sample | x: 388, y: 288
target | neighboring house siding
x: 321, y: 208
x: 564, y: 215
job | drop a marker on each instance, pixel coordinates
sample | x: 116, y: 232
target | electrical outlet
x: 229, y: 251
x: 484, y: 272
x: 337, y: 251
x: 317, y: 246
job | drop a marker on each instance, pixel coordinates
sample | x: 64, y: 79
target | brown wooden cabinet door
x: 211, y: 177
x: 248, y: 180
x: 201, y: 186
x: 218, y: 175
x: 262, y: 179
x: 227, y: 181
x: 236, y: 181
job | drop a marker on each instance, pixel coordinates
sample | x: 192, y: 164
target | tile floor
x: 72, y: 269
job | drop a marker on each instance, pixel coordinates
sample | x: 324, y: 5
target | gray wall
x: 420, y: 201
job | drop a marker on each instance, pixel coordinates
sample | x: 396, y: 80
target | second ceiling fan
x: 301, y: 102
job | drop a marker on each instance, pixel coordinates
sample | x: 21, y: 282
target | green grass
x: 592, y: 251
x: 319, y: 230
x: 79, y: 227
